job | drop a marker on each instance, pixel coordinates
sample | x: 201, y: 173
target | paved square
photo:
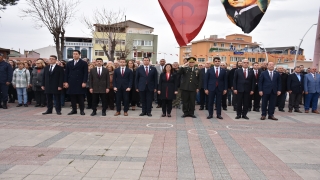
x: 33, y: 146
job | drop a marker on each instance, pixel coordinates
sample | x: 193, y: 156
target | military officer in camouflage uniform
x: 189, y: 87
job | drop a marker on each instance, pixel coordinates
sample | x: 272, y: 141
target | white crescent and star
x: 179, y: 4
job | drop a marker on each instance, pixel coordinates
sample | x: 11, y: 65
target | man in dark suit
x: 256, y: 97
x: 204, y: 99
x: 52, y: 84
x: 159, y: 71
x: 295, y: 89
x: 189, y: 87
x: 5, y: 80
x: 146, y: 84
x: 76, y: 76
x: 281, y: 99
x: 228, y: 94
x: 122, y: 84
x: 243, y: 87
x: 269, y: 88
x: 99, y: 84
x: 230, y: 84
x: 215, y: 85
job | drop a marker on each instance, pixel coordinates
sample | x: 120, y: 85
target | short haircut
x: 146, y: 58
x: 216, y: 58
x: 122, y: 58
x: 77, y: 51
x: 296, y: 67
x: 255, y: 63
x: 99, y: 59
x: 54, y: 56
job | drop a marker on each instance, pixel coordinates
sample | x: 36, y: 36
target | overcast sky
x: 284, y: 24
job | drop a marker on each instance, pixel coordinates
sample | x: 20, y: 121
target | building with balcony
x: 237, y: 47
x: 134, y: 41
x: 83, y: 44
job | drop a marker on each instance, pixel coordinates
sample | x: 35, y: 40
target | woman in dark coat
x: 167, y: 89
x: 12, y: 93
x: 29, y: 89
x: 134, y: 95
x: 36, y: 81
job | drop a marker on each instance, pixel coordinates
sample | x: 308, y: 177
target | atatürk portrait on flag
x: 245, y: 13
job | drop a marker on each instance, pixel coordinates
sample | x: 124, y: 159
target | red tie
x: 147, y: 71
x: 217, y: 75
x: 122, y: 72
x: 245, y: 73
x: 256, y: 75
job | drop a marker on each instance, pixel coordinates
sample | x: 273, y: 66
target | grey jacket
x: 21, y: 78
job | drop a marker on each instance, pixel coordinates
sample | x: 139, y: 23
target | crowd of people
x: 123, y: 84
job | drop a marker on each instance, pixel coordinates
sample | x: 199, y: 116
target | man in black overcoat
x: 76, y: 76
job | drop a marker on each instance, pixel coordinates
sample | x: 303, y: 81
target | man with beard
x: 230, y: 84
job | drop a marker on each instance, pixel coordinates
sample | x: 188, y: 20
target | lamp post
x: 265, y: 51
x: 297, y: 50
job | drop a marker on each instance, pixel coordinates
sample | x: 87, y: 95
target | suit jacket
x: 99, y: 84
x: 211, y: 79
x: 190, y: 80
x: 124, y: 81
x: 242, y: 84
x: 310, y: 84
x: 142, y: 79
x: 159, y: 71
x: 230, y: 77
x: 284, y: 80
x: 268, y: 86
x: 256, y: 78
x: 247, y: 20
x: 52, y: 80
x: 202, y: 75
x: 294, y: 85
x: 75, y: 75
x: 167, y: 87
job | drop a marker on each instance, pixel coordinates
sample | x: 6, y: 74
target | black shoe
x: 206, y: 108
x: 163, y: 115
x: 238, y: 117
x: 201, y: 108
x: 245, y: 117
x: 234, y: 109
x: 149, y: 114
x: 88, y: 107
x: 4, y: 106
x: 219, y: 117
x: 104, y: 113
x: 72, y: 112
x: 193, y: 116
x: 19, y: 105
x: 59, y: 113
x: 142, y: 114
x: 225, y: 109
x: 93, y: 113
x: 37, y: 105
x: 184, y: 115
x: 1, y: 106
x: 249, y: 109
x: 47, y: 112
x: 210, y: 117
x: 169, y: 115
x: 82, y: 113
x: 257, y: 110
x: 43, y: 105
x: 281, y: 110
x: 26, y: 105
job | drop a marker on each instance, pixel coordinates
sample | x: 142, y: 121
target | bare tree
x: 53, y: 14
x: 109, y: 30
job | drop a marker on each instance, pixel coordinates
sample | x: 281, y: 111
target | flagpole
x: 297, y: 50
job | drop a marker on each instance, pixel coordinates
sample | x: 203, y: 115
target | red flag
x: 186, y: 17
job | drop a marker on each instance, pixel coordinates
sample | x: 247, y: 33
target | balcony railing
x: 78, y: 44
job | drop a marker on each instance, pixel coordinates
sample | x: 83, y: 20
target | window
x: 239, y: 46
x: 101, y: 41
x: 99, y: 53
x: 214, y: 44
x: 201, y: 59
x: 235, y: 59
x: 137, y: 42
x: 70, y: 53
x: 210, y: 59
x: 279, y: 60
x: 239, y: 39
x: 223, y: 58
x: 84, y: 53
x: 252, y: 59
x: 148, y: 43
x: 261, y: 59
x: 222, y: 45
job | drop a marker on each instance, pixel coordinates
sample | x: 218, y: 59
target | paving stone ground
x: 34, y: 146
